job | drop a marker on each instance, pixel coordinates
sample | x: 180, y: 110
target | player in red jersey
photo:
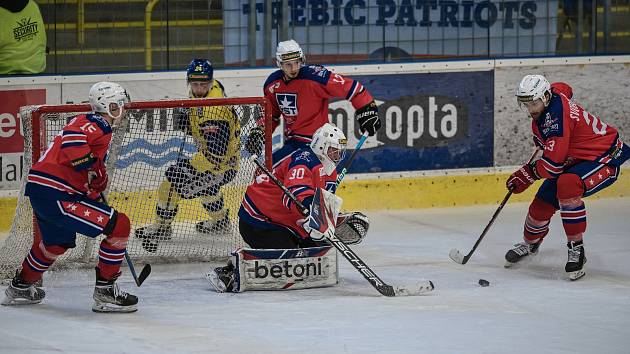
x: 582, y: 155
x: 64, y: 188
x: 300, y: 94
x: 269, y: 219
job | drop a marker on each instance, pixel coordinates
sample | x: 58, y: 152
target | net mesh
x: 144, y: 146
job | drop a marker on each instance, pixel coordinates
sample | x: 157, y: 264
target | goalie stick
x: 146, y: 270
x: 353, y: 258
x: 456, y: 255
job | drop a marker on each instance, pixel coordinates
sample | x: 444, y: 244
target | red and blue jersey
x: 62, y: 171
x: 303, y: 101
x: 265, y: 205
x: 569, y: 134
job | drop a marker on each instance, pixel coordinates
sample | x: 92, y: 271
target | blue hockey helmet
x: 199, y: 70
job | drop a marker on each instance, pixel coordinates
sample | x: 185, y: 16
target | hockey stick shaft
x: 346, y: 251
x: 455, y: 254
x: 146, y: 270
x: 349, y: 162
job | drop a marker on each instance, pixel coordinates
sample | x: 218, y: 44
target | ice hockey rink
x: 532, y: 308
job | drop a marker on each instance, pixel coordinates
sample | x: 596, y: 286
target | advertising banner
x: 380, y: 30
x: 12, y: 134
x: 430, y: 121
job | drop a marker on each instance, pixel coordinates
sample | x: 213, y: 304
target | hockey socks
x: 38, y: 260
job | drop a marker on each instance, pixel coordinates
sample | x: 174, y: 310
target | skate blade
x: 216, y: 284
x: 573, y: 276
x: 18, y: 302
x: 508, y: 264
x: 106, y: 307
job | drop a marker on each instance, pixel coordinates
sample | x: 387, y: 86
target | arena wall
x: 601, y: 85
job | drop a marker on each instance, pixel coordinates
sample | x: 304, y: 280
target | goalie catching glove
x: 324, y: 209
x: 352, y: 227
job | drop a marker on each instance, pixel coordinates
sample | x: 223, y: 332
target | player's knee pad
x: 118, y: 232
x: 570, y: 186
x: 540, y: 210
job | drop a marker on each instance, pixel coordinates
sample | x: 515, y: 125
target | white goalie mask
x: 287, y: 51
x: 329, y: 144
x: 106, y: 97
x: 532, y: 88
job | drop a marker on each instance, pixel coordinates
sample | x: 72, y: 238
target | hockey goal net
x: 143, y: 146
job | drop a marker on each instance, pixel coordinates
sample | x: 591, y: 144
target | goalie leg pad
x: 285, y: 269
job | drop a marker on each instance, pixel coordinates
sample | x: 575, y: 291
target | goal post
x: 147, y: 142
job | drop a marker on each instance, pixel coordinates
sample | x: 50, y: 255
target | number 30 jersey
x: 569, y: 134
x: 265, y: 205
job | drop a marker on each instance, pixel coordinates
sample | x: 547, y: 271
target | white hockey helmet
x: 329, y: 144
x: 107, y: 96
x: 287, y: 51
x: 531, y: 88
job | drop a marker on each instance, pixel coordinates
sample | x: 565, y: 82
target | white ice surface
x: 529, y: 309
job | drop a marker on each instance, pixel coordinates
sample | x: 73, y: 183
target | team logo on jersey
x: 550, y: 126
x: 318, y: 70
x: 304, y: 155
x: 287, y: 103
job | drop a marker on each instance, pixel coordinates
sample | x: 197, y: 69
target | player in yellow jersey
x: 216, y: 133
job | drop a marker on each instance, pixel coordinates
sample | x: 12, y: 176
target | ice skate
x: 109, y: 298
x: 21, y: 293
x: 222, y: 278
x: 213, y: 227
x: 160, y: 232
x: 576, y: 260
x: 151, y: 235
x: 520, y: 250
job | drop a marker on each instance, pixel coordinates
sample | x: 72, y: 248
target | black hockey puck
x: 484, y: 282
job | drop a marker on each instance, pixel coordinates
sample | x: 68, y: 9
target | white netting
x: 143, y: 147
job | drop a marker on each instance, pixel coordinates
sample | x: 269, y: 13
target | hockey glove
x: 352, y: 227
x: 98, y: 179
x: 367, y: 116
x: 520, y: 180
x: 255, y: 141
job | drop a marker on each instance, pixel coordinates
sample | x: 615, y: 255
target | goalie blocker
x: 279, y: 269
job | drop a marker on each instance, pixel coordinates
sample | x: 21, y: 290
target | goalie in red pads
x: 64, y: 188
x: 269, y: 219
x: 582, y: 155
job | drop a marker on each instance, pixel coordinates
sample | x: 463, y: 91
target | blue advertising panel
x: 430, y: 121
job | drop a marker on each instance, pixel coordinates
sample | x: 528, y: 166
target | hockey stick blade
x: 457, y: 256
x: 417, y: 289
x: 144, y: 274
